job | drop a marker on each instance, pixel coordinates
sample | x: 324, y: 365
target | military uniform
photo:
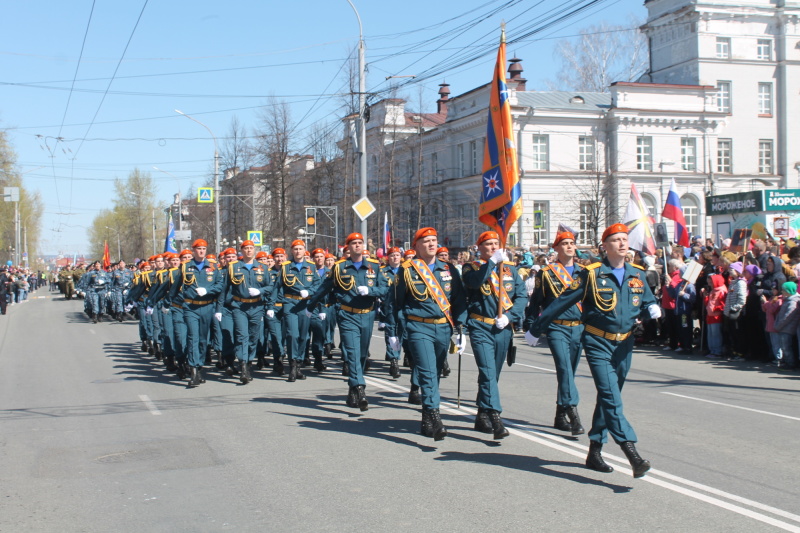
x: 202, y: 283
x: 392, y: 355
x: 121, y: 281
x: 138, y: 294
x: 295, y: 283
x: 319, y: 327
x: 273, y: 325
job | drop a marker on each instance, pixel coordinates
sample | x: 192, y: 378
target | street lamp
x: 216, y: 176
x: 362, y: 129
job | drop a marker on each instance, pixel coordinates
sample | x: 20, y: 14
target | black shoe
x: 200, y: 375
x: 345, y: 369
x: 394, y: 369
x: 181, y: 371
x: 352, y: 397
x: 328, y: 351
x: 194, y: 377
x: 414, y: 396
x: 638, y: 465
x: 228, y: 369
x: 100, y: 317
x: 482, y: 422
x: 158, y: 353
x: 94, y: 319
x: 446, y: 369
x: 363, y: 404
x: 144, y: 346
x: 575, y: 421
x: 318, y: 364
x: 150, y: 348
x: 438, y: 432
x: 292, y: 371
x: 306, y: 362
x: 245, y: 377
x: 209, y: 359
x: 425, y: 427
x: 277, y: 367
x: 561, y: 422
x: 259, y: 361
x: 405, y: 361
x: 300, y: 374
x: 169, y: 363
x: 499, y: 430
x: 594, y: 460
x: 120, y: 317
x: 367, y: 364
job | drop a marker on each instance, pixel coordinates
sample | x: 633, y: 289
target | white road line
x: 537, y: 367
x: 579, y: 450
x: 92, y: 331
x: 732, y: 406
x: 149, y: 404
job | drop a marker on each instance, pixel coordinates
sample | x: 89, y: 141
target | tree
x: 273, y: 146
x: 603, y: 54
x: 30, y: 208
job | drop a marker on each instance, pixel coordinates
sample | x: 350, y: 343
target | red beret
x: 410, y: 253
x: 612, y: 229
x: 186, y: 251
x: 329, y: 255
x: 246, y: 243
x: 198, y: 243
x: 316, y: 251
x: 228, y: 251
x: 261, y: 255
x: 422, y: 233
x: 278, y: 251
x: 297, y: 242
x: 353, y: 237
x: 487, y: 236
x: 563, y: 235
x: 394, y: 250
x: 442, y: 250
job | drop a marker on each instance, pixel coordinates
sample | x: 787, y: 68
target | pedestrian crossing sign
x: 205, y: 195
x: 255, y: 236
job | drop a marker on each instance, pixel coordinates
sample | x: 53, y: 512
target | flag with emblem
x: 387, y: 234
x: 640, y: 224
x: 674, y: 211
x: 501, y: 191
x: 169, y: 242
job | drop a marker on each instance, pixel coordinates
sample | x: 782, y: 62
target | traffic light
x: 311, y: 221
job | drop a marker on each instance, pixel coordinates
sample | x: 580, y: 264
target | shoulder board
x: 545, y: 268
x: 309, y: 261
x: 233, y: 262
x: 342, y: 260
x: 509, y: 263
x: 593, y: 266
x: 636, y: 266
x: 286, y: 263
x: 406, y: 264
x: 371, y: 260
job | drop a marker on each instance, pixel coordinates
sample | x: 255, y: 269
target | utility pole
x: 362, y: 124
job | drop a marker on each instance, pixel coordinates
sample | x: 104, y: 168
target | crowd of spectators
x: 16, y: 283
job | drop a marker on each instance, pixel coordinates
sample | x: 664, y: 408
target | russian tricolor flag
x: 674, y: 211
x: 387, y: 234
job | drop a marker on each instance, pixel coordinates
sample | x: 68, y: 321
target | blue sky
x: 215, y: 61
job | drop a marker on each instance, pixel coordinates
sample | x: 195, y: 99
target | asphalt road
x: 97, y: 437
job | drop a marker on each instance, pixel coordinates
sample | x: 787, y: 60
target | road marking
x: 92, y: 331
x: 579, y: 450
x: 733, y: 406
x: 149, y: 404
x: 536, y: 367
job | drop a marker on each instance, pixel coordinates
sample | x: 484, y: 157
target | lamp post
x: 362, y: 125
x: 216, y: 177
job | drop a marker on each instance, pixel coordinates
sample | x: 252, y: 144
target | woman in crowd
x: 771, y: 307
x: 715, y: 304
x: 756, y: 343
x: 684, y: 295
x: 786, y: 323
x: 733, y: 322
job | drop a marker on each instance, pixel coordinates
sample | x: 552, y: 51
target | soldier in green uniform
x: 65, y: 283
x: 319, y: 326
x: 274, y: 314
x: 296, y: 282
x: 138, y: 293
x: 430, y: 302
x: 356, y: 285
x: 614, y: 295
x: 496, y: 298
x: 565, y: 332
x: 394, y: 256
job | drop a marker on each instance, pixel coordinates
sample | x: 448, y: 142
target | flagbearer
x: 496, y: 296
x: 565, y: 332
x: 614, y: 295
x: 389, y: 271
x: 356, y: 284
x: 430, y: 303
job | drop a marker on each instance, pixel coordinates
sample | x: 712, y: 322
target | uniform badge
x: 259, y: 278
x: 635, y: 283
x: 446, y: 287
x: 508, y: 286
x: 575, y: 283
x: 210, y: 278
x: 636, y: 301
x: 370, y: 282
x: 309, y: 278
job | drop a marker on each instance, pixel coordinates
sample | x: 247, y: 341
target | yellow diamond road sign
x: 363, y: 208
x: 205, y: 195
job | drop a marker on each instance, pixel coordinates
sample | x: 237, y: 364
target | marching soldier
x: 565, y: 332
x: 296, y: 282
x: 274, y: 313
x: 330, y: 322
x: 202, y: 283
x: 175, y: 298
x: 222, y: 332
x: 497, y: 298
x: 389, y: 271
x: 614, y: 294
x: 356, y: 284
x: 141, y: 284
x: 121, y: 281
x: 319, y: 326
x: 430, y: 302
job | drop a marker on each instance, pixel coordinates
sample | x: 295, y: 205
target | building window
x: 723, y: 47
x: 541, y: 152
x: 473, y: 157
x: 764, y: 156
x: 689, y: 154
x: 589, y: 220
x: 724, y: 96
x: 586, y: 153
x: 725, y: 156
x: 435, y: 166
x: 650, y: 203
x: 691, y: 212
x: 462, y: 163
x: 764, y: 50
x: 765, y: 99
x: 541, y: 215
x: 644, y: 153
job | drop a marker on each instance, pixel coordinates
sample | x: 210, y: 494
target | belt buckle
x: 618, y: 337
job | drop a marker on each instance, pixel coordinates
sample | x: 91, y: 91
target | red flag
x: 106, y: 256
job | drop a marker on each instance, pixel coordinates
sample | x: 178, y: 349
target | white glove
x: 394, y: 344
x: 362, y: 290
x: 148, y: 311
x: 461, y: 343
x: 253, y: 291
x: 218, y: 316
x: 128, y: 307
x: 655, y: 311
x: 530, y: 339
x: 125, y: 292
x: 322, y: 316
x: 498, y: 256
x: 201, y: 291
x: 501, y: 321
x: 308, y: 313
x: 381, y: 325
x: 271, y: 313
x: 304, y: 294
x: 165, y: 310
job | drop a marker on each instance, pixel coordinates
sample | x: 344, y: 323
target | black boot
x: 414, y: 396
x: 292, y: 371
x: 209, y: 359
x: 500, y: 431
x: 328, y: 351
x: 150, y: 348
x: 144, y: 346
x: 200, y: 375
x: 482, y: 422
x: 363, y: 404
x: 277, y: 366
x: 575, y: 421
x: 318, y: 365
x: 345, y: 369
x: 438, y: 432
x: 406, y: 362
x: 169, y: 363
x: 352, y: 397
x: 561, y: 423
x: 99, y: 317
x: 194, y: 377
x: 261, y: 362
x: 245, y: 377
x: 367, y: 364
x: 157, y: 351
x: 120, y: 317
x: 306, y: 362
x: 445, y: 369
x: 181, y: 371
x: 638, y: 465
x: 300, y: 374
x: 425, y: 427
x: 594, y: 460
x: 394, y: 369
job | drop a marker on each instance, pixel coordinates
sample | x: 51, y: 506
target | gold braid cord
x: 338, y: 277
x: 556, y: 291
x: 419, y: 296
x: 233, y: 276
x: 187, y: 280
x: 285, y: 280
x: 598, y: 302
